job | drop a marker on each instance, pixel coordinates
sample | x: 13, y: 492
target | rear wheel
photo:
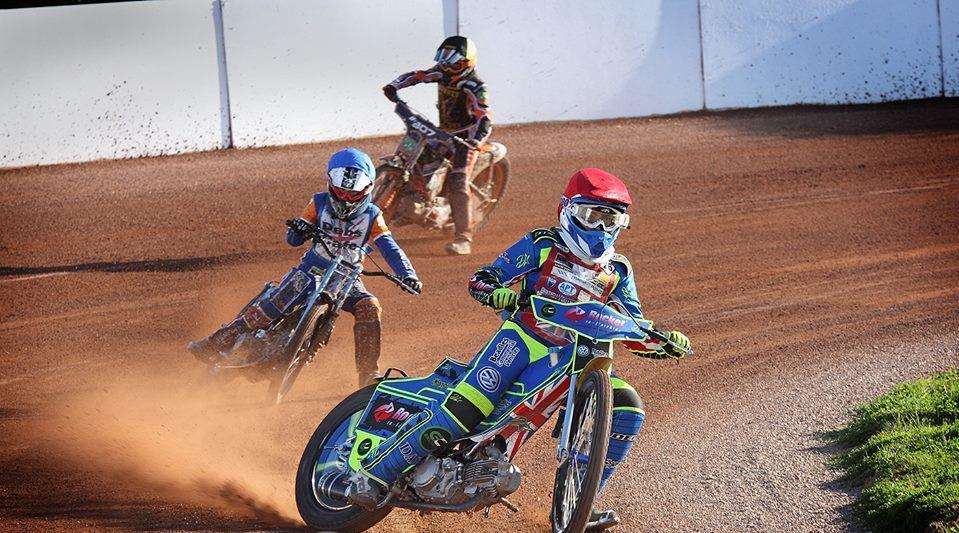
x: 578, y: 476
x: 301, y: 348
x: 323, y: 466
x: 488, y: 188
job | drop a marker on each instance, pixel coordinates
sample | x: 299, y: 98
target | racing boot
x: 459, y: 247
x: 209, y: 349
x: 366, y: 340
x: 462, y: 220
x: 366, y: 378
x: 601, y: 520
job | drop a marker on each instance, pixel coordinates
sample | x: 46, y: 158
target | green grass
x: 904, y: 449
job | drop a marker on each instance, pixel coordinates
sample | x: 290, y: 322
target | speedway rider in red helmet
x: 573, y: 262
x: 464, y: 111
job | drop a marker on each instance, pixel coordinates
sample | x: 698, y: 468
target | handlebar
x: 523, y: 302
x: 401, y: 105
x: 316, y: 234
x: 395, y: 279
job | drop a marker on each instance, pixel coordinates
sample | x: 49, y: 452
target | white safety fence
x: 107, y: 81
x: 146, y: 78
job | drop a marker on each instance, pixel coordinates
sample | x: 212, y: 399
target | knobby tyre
x: 321, y: 511
x: 300, y: 350
x: 387, y: 189
x: 488, y: 189
x: 576, y: 483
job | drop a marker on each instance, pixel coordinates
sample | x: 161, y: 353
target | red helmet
x: 596, y: 186
x: 592, y: 212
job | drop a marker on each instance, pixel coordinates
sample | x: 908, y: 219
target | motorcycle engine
x: 415, y: 209
x: 446, y: 480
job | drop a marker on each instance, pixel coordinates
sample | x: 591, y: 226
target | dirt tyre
x: 386, y: 191
x: 320, y: 510
x: 488, y: 189
x: 577, y: 481
x: 298, y: 353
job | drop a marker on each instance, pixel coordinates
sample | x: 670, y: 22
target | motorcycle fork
x: 597, y: 362
x: 324, y: 334
x: 562, y: 445
x: 319, y: 286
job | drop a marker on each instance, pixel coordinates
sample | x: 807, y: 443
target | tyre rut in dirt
x: 300, y: 346
x: 492, y: 182
x: 323, y: 516
x: 575, y: 486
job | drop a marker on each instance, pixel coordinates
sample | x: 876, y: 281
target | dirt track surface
x: 812, y: 255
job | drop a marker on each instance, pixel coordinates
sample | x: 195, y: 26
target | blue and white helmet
x: 351, y: 174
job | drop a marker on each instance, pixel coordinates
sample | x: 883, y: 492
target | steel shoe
x: 601, y: 520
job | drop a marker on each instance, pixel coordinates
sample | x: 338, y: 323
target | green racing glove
x: 682, y: 345
x: 502, y: 298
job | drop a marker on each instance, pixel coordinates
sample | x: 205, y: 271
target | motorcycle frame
x: 349, y: 274
x: 563, y: 392
x: 423, y: 131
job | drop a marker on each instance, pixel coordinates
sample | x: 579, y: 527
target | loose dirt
x: 812, y: 255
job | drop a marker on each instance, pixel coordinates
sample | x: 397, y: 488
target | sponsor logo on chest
x: 342, y: 232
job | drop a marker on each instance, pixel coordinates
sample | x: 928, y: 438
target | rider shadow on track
x: 184, y: 264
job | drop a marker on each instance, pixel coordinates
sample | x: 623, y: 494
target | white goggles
x: 448, y: 56
x: 599, y: 216
x: 349, y: 178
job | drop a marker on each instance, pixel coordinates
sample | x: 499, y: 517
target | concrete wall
x: 763, y: 52
x: 570, y: 59
x: 949, y: 18
x: 107, y: 81
x: 143, y: 78
x: 307, y: 71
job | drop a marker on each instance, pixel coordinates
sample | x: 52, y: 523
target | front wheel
x: 301, y: 347
x: 579, y: 474
x: 323, y: 465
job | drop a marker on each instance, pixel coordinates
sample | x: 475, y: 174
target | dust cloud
x: 187, y: 441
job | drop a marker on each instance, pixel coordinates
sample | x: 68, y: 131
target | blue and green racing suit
x: 539, y: 263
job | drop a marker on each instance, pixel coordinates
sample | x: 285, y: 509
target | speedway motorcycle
x: 279, y: 352
x: 410, y: 183
x: 477, y: 472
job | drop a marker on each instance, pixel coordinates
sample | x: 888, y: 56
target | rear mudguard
x: 395, y: 400
x: 490, y: 154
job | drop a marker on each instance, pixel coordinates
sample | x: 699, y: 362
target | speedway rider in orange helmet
x: 463, y: 111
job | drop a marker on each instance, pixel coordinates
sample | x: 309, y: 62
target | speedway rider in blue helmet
x: 573, y: 262
x: 345, y: 213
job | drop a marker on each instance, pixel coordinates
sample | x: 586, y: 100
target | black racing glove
x: 413, y: 283
x: 301, y: 227
x: 390, y: 93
